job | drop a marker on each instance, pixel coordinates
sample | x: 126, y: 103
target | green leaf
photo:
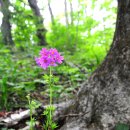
x: 121, y: 126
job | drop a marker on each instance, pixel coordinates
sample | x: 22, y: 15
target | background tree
x: 41, y: 31
x: 6, y: 26
x: 104, y: 100
x: 71, y: 11
x: 66, y: 13
x: 51, y: 12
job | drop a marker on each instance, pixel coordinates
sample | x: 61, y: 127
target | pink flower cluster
x: 49, y: 58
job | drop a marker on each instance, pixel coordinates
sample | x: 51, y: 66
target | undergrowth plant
x: 4, y: 93
x: 32, y: 106
x: 47, y: 59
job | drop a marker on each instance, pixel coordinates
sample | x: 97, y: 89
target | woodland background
x: 82, y: 32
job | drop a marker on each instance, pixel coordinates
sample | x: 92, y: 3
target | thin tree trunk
x: 6, y: 27
x: 68, y: 38
x: 66, y: 13
x: 41, y: 31
x: 51, y: 13
x: 103, y: 101
x: 77, y: 26
x: 71, y: 12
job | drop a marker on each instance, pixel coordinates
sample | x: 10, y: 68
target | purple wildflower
x: 49, y: 58
x: 44, y: 52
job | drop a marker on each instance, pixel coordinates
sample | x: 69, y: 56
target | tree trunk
x: 66, y: 13
x: 51, y: 13
x: 41, y: 31
x: 104, y: 100
x: 71, y: 12
x: 6, y: 27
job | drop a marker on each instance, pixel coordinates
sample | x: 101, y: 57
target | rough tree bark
x: 41, y: 31
x: 104, y: 99
x: 6, y: 27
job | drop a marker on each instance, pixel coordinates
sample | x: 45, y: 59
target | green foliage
x: 17, y: 69
x: 70, y: 38
x: 24, y: 31
x: 49, y: 124
x: 121, y: 126
x: 32, y: 105
x: 4, y: 93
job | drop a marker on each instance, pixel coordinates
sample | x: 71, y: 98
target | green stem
x: 50, y: 93
x: 31, y: 118
x: 50, y: 87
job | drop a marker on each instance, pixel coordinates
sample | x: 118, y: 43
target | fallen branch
x: 14, y: 119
